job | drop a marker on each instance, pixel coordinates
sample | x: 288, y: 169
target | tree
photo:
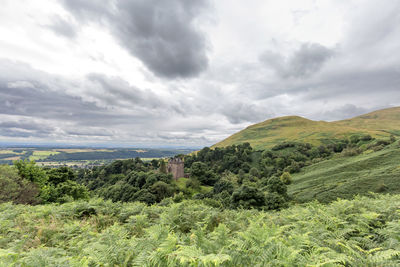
x: 254, y: 172
x: 16, y: 189
x: 198, y: 169
x: 28, y: 170
x: 274, y: 184
x: 223, y: 185
x: 248, y: 197
x: 286, y: 178
x: 161, y: 190
x: 163, y: 166
x: 145, y: 196
x: 60, y: 175
x: 155, y: 163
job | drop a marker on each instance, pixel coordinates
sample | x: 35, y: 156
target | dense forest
x: 236, y: 176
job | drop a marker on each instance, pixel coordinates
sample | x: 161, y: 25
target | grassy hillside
x: 386, y: 120
x: 345, y: 177
x: 361, y: 232
x: 293, y: 128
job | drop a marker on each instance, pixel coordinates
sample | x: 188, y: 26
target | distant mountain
x: 381, y: 123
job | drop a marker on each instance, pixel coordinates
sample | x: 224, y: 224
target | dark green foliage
x: 231, y: 158
x: 275, y: 185
x: 68, y: 190
x: 146, y: 196
x: 54, y: 185
x: 29, y: 171
x: 223, y: 185
x: 286, y: 178
x: 16, y: 189
x: 130, y: 180
x: 254, y: 172
x: 163, y: 166
x: 248, y: 197
x: 235, y: 175
x: 60, y: 175
x: 161, y: 190
x: 200, y: 172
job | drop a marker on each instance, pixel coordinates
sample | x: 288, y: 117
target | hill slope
x: 345, y: 177
x: 266, y: 134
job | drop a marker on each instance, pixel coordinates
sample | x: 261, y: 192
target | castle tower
x: 176, y: 166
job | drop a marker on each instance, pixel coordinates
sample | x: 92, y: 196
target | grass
x: 6, y: 151
x: 42, y: 154
x: 344, y: 177
x: 9, y: 151
x: 181, y: 183
x: 266, y: 134
x: 80, y: 150
x: 13, y: 158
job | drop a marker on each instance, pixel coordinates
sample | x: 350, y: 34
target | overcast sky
x: 189, y: 73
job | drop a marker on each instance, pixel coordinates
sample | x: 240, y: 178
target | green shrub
x: 286, y: 178
x: 16, y: 189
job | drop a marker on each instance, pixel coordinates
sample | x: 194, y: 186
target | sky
x: 150, y: 73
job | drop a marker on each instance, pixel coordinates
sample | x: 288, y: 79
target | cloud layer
x: 151, y: 73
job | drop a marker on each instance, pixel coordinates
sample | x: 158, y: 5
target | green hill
x: 345, y: 177
x: 266, y: 134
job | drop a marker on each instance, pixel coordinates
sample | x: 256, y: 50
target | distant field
x: 83, y: 156
x: 13, y: 158
x: 6, y: 151
x: 343, y: 177
x: 40, y: 154
x: 10, y: 151
x: 80, y: 150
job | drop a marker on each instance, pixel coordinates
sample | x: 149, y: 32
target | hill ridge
x: 265, y: 134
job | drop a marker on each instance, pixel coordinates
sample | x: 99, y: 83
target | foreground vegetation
x: 360, y: 232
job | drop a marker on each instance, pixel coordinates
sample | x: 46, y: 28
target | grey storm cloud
x: 26, y: 125
x: 163, y: 34
x: 45, y: 103
x: 304, y: 62
x: 116, y: 91
x: 24, y: 128
x: 25, y: 91
x: 18, y: 133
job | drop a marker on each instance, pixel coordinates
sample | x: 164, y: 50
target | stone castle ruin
x: 176, y: 166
